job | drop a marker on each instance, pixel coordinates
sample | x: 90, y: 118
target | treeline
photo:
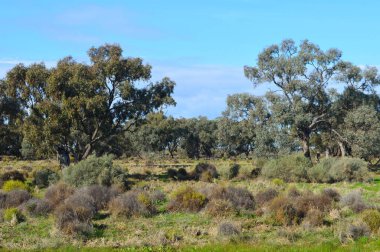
x: 319, y: 104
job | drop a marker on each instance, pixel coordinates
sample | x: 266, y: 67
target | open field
x: 193, y: 231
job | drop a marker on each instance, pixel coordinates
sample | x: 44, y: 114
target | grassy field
x: 180, y: 231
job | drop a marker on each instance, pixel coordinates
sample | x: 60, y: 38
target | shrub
x: 290, y: 168
x: 187, y: 199
x: 278, y: 182
x: 206, y: 176
x: 283, y: 211
x: 228, y: 229
x: 219, y: 208
x: 37, y: 207
x: 204, y: 167
x: 233, y: 171
x: 354, y: 201
x: 95, y: 170
x: 11, y: 175
x: 157, y: 196
x: 13, y: 214
x: 314, y: 218
x: 331, y: 193
x: 182, y: 174
x: 319, y: 173
x: 294, y: 193
x: 82, y: 205
x: 356, y: 231
x: 172, y: 173
x: 256, y: 172
x: 266, y: 196
x: 98, y: 195
x: 3, y: 199
x: 11, y: 185
x: 308, y: 201
x: 349, y: 169
x: 15, y: 198
x: 67, y: 221
x: 44, y: 178
x: 132, y: 203
x: 56, y: 194
x: 372, y: 219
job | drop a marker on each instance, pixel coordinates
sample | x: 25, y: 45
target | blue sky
x: 201, y: 44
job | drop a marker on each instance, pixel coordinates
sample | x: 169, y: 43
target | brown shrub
x: 187, y: 199
x: 219, y: 208
x: 15, y: 198
x: 311, y: 201
x: 99, y: 195
x: 264, y: 197
x: 284, y: 212
x: 314, y: 217
x: 56, y: 194
x: 206, y: 176
x: 240, y: 198
x: 132, y: 203
x: 82, y: 205
x: 354, y: 201
x: 36, y: 207
x: 228, y: 229
x: 294, y: 192
x: 67, y: 221
x: 331, y: 193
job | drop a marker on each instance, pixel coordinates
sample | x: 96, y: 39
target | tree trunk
x: 342, y: 149
x: 63, y: 157
x: 327, y: 152
x: 87, y: 152
x: 306, y: 146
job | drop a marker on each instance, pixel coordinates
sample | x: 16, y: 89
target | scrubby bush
x: 349, y: 169
x: 205, y: 176
x: 11, y: 185
x: 57, y: 193
x: 371, y: 217
x: 314, y: 217
x: 45, y: 177
x: 172, y: 173
x: 36, y: 207
x: 82, y: 205
x: 354, y: 201
x: 95, y: 170
x: 219, y: 208
x: 353, y: 231
x: 3, y: 198
x: 240, y: 198
x: 233, y: 171
x: 15, y: 198
x: 157, y: 196
x: 67, y: 221
x: 308, y: 201
x: 333, y: 170
x: 264, y: 197
x: 290, y: 168
x: 13, y: 213
x: 187, y: 199
x: 294, y: 192
x: 284, y: 213
x: 132, y: 203
x: 98, y: 195
x: 11, y: 175
x: 331, y: 193
x: 202, y: 168
x: 228, y: 229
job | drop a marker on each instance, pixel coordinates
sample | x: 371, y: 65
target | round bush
x: 44, y: 178
x: 187, y: 199
x: 233, y: 171
x: 11, y: 185
x: 372, y: 219
x: 290, y: 168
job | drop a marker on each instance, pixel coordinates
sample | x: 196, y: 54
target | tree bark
x: 342, y: 149
x: 306, y: 146
x: 87, y: 152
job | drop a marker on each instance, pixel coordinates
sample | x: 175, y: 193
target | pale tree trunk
x: 306, y: 147
x: 342, y: 149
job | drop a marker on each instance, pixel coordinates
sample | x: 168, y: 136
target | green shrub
x: 11, y: 185
x: 234, y: 171
x: 290, y: 168
x: 333, y: 170
x: 44, y: 178
x: 349, y: 169
x: 11, y: 213
x: 11, y: 175
x: 187, y: 199
x: 372, y: 219
x: 95, y: 170
x: 202, y: 168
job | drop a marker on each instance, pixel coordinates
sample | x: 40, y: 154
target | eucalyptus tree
x: 302, y: 74
x: 73, y: 107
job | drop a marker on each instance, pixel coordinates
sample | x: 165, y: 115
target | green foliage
x: 372, y: 218
x: 11, y: 213
x: 233, y: 171
x: 291, y: 168
x: 95, y: 170
x: 187, y: 199
x: 45, y: 177
x: 11, y: 185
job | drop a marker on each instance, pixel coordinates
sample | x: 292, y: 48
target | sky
x: 202, y: 45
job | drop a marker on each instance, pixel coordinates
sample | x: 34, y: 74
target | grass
x: 184, y: 231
